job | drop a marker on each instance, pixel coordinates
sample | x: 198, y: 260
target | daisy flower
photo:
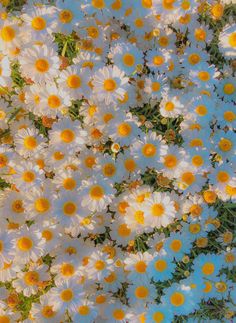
x: 27, y: 175
x: 45, y: 311
x: 96, y: 193
x: 141, y: 293
x: 9, y: 36
x: 66, y: 296
x: 179, y: 299
x: 161, y: 268
x: 38, y: 22
x: 39, y: 63
x: 136, y: 266
x: 28, y: 141
x: 109, y: 84
x: 28, y: 245
x: 227, y: 41
x: 29, y: 282
x: 159, y: 313
x: 148, y: 150
x: 126, y: 57
x: 207, y: 265
x: 100, y: 265
x: 74, y: 82
x: 87, y: 312
x: 67, y: 135
x: 67, y: 16
x: 159, y: 210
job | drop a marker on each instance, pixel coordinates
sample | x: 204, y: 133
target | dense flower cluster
x: 117, y: 161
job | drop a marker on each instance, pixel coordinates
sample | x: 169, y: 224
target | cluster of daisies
x: 117, y: 161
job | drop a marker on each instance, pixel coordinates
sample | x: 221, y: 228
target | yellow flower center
x: 197, y: 161
x: 141, y: 292
x: 232, y: 40
x: 229, y: 88
x: 168, y: 4
x: 147, y: 4
x: 31, y: 278
x: 204, y: 76
x: 188, y: 178
x: 4, y: 319
x: 24, y: 244
x: 201, y: 110
x: 69, y: 208
x: 122, y: 206
x: 200, y: 34
x: 58, y: 155
x: 223, y: 177
x: 194, y: 59
x: 139, y: 217
x: 42, y: 65
x: 158, y: 60
x: 84, y: 310
x: 42, y: 205
x: 149, y: 150
x: 98, y: 4
x: 177, y: 299
x: 156, y: 86
x: 47, y: 235
x: 110, y: 85
x: 38, y: 23
x: 118, y: 314
x: 217, y: 10
x: 3, y: 160
x: 139, y: 23
x: 28, y: 176
x: 96, y: 192
x: 140, y: 267
x: 54, y: 102
x: 208, y: 287
x: 195, y: 210
x: 170, y: 161
x: 17, y: 206
x: 230, y: 190
x: 158, y: 317
x: 194, y: 228
x: 74, y: 81
x: 111, y: 278
x: 109, y: 170
x: 225, y: 144
x: 229, y: 116
x: 176, y: 245
x: 124, y: 129
x: 66, y: 16
x: 1, y: 246
x: 123, y: 230
x: 100, y: 265
x: 208, y: 268
x: 129, y: 60
x: 30, y: 143
x: 157, y: 209
x: 8, y: 33
x: 67, y: 295
x: 67, y: 270
x: 160, y: 265
x: 169, y: 106
x: 47, y: 312
x: 67, y: 136
x: 90, y: 161
x: 69, y: 184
